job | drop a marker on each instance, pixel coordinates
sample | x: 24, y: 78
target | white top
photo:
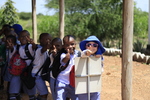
x: 64, y: 75
x: 39, y: 60
x: 23, y: 54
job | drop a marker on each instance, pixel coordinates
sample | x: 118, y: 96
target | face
x: 69, y: 44
x: 92, y: 46
x: 57, y: 45
x: 23, y: 37
x: 45, y: 40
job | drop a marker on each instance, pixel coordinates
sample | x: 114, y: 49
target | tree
x: 9, y: 14
x: 140, y: 23
x: 92, y: 17
x: 25, y: 15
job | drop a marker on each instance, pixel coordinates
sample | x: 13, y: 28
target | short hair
x: 68, y: 36
x: 24, y: 31
x: 56, y: 39
x: 42, y: 34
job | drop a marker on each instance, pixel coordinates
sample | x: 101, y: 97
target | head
x: 69, y: 43
x: 92, y: 43
x: 17, y: 28
x: 45, y: 39
x: 23, y: 37
x: 12, y: 39
x: 6, y: 28
x: 57, y: 42
x: 92, y: 46
x: 9, y: 32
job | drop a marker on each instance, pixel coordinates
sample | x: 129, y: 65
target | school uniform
x: 37, y: 64
x: 16, y: 83
x: 64, y: 88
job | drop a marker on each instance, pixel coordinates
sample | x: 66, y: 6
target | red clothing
x: 72, y: 77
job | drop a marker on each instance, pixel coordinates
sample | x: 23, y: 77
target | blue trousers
x: 52, y: 82
x: 64, y: 90
x: 15, y: 86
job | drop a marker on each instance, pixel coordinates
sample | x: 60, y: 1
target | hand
x: 9, y: 43
x: 88, y: 52
x: 68, y: 54
x: 29, y: 40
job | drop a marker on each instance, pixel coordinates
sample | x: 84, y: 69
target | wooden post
x: 127, y: 49
x: 61, y: 18
x: 148, y: 46
x: 34, y: 24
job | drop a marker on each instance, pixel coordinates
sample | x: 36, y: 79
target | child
x: 10, y: 46
x: 65, y: 80
x: 40, y: 56
x: 56, y: 47
x: 15, y: 83
x: 91, y: 47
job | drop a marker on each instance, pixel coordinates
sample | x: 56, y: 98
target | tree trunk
x: 34, y: 23
x: 127, y: 49
x: 61, y: 18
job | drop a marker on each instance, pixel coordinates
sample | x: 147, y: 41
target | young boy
x: 65, y: 80
x: 55, y: 48
x: 91, y: 47
x: 15, y: 83
x: 41, y: 55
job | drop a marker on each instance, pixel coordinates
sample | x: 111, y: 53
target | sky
x: 25, y: 6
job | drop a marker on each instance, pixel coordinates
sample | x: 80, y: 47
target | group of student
x: 62, y: 87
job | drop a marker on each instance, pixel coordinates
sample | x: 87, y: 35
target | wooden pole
x: 148, y: 46
x: 34, y: 23
x: 61, y: 18
x: 127, y: 48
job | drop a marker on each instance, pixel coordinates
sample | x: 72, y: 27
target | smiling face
x: 69, y: 44
x: 57, y: 43
x: 92, y: 46
x: 23, y: 37
x: 45, y: 40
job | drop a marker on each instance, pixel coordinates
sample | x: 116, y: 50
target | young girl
x: 91, y: 47
x: 41, y: 55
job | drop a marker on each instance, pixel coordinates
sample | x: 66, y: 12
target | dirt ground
x: 111, y: 81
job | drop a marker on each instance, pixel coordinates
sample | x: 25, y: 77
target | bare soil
x: 111, y: 81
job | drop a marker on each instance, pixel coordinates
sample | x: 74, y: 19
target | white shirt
x: 23, y: 54
x: 64, y: 75
x: 39, y: 60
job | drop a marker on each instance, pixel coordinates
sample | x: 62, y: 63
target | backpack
x: 56, y: 66
x: 2, y: 55
x: 45, y: 73
x: 17, y: 64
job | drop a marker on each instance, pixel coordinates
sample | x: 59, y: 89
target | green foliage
x: 86, y: 17
x: 9, y: 14
x: 49, y: 24
x: 25, y: 15
x: 138, y: 46
x: 140, y: 23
